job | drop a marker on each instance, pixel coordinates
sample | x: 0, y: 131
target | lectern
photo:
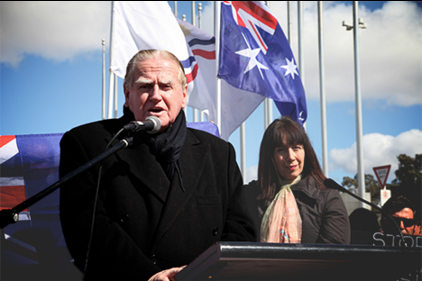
x: 270, y: 261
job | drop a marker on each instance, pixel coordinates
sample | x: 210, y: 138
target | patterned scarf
x: 281, y: 222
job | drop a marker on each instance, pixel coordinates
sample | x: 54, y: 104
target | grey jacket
x: 324, y: 215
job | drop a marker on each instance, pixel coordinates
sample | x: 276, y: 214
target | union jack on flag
x: 29, y: 164
x: 255, y: 56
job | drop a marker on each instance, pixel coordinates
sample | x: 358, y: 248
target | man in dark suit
x: 163, y: 200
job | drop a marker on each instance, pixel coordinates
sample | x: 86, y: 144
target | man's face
x: 156, y: 91
x: 404, y: 219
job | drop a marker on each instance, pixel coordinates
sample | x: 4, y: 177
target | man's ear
x: 126, y: 92
x: 185, y: 95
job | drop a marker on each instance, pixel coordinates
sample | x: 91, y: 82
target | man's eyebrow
x: 166, y: 81
x: 141, y: 80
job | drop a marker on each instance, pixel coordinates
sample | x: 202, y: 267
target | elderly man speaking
x: 163, y: 200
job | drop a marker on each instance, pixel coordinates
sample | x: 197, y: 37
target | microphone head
x: 157, y: 124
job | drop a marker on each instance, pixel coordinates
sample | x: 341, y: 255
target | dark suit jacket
x: 144, y: 222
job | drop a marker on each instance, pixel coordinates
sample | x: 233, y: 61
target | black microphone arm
x: 333, y: 185
x: 8, y: 216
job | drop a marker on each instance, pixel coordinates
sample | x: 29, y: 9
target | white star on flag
x: 252, y: 55
x: 291, y: 68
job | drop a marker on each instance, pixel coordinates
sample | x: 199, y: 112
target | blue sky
x: 51, y: 76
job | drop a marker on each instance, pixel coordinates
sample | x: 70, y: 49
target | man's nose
x: 402, y: 225
x: 155, y: 93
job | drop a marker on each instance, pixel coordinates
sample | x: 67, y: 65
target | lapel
x: 192, y: 164
x: 144, y: 168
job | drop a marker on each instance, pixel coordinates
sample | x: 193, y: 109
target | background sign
x: 382, y: 174
x: 385, y: 194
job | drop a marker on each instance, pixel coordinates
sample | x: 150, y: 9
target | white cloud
x: 390, y: 51
x: 390, y: 47
x: 53, y: 30
x: 378, y: 150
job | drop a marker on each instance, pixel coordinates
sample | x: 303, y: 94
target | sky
x: 51, y: 75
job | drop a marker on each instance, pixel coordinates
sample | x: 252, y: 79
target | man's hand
x: 166, y: 275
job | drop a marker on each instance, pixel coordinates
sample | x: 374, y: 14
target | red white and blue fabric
x: 255, y: 56
x: 200, y: 69
x: 28, y: 165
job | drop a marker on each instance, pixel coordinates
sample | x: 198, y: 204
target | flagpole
x: 270, y: 103
x: 267, y: 101
x: 322, y: 90
x: 361, y: 173
x: 104, y: 86
x: 289, y: 23
x: 186, y: 108
x: 201, y: 114
x: 243, y: 152
x: 217, y: 57
x: 111, y: 78
x: 299, y: 30
x: 115, y: 96
x: 195, y: 111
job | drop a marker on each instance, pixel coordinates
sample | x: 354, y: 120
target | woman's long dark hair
x: 285, y: 132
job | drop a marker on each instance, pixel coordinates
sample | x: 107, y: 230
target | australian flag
x: 255, y: 56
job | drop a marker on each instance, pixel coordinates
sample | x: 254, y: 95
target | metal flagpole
x: 265, y: 114
x: 361, y: 174
x: 115, y: 96
x: 243, y: 152
x: 104, y: 86
x: 289, y: 23
x: 111, y: 78
x: 300, y: 41
x: 217, y: 57
x: 270, y: 102
x: 267, y: 101
x: 299, y: 30
x: 322, y: 90
x: 186, y: 108
x: 358, y: 23
x: 195, y: 111
x: 201, y: 114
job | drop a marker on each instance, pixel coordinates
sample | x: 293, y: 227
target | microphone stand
x: 8, y: 216
x: 332, y: 184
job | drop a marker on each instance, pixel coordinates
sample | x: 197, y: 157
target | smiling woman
x: 289, y: 203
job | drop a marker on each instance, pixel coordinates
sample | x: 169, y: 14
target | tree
x: 408, y: 178
x: 371, y: 185
x: 408, y: 174
x: 407, y: 181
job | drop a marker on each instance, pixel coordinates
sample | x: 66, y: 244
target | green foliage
x: 371, y: 185
x: 408, y: 174
x: 408, y: 178
x: 407, y: 181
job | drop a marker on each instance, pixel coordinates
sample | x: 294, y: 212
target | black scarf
x: 166, y: 146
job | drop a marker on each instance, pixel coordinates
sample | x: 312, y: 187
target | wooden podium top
x: 270, y: 261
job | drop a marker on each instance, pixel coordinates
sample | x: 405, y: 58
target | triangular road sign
x: 382, y: 174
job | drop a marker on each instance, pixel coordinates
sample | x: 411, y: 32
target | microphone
x: 333, y: 185
x: 152, y: 125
